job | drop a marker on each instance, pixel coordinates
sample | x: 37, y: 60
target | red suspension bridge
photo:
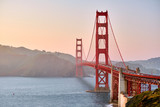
x: 123, y: 79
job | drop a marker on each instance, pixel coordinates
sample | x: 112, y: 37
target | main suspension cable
x: 91, y: 39
x: 116, y: 41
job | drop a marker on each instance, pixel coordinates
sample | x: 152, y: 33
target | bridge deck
x: 137, y: 77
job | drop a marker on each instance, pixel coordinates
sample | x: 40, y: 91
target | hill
x: 145, y: 99
x: 150, y: 63
x: 143, y: 69
x: 25, y: 62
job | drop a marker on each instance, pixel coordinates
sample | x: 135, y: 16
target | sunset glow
x: 54, y: 25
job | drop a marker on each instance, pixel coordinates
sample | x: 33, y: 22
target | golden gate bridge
x: 123, y: 79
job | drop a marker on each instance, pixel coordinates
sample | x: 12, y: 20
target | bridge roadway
x: 128, y: 74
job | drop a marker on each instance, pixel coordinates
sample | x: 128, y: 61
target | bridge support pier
x: 111, y: 92
x: 114, y: 85
x: 122, y: 89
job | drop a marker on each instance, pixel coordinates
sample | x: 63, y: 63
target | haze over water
x: 49, y: 92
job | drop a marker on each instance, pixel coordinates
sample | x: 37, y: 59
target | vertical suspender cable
x: 83, y: 52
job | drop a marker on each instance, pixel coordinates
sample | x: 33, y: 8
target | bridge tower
x: 101, y: 76
x: 79, y: 72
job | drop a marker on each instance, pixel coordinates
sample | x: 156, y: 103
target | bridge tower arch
x: 101, y: 76
x: 79, y: 69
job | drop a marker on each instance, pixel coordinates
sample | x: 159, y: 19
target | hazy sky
x: 53, y: 25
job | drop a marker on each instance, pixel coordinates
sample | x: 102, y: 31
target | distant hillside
x: 134, y: 65
x: 65, y: 57
x: 150, y: 63
x: 25, y: 62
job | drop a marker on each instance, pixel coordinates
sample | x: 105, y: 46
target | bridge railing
x: 125, y: 71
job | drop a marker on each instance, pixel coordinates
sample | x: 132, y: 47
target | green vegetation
x: 145, y: 99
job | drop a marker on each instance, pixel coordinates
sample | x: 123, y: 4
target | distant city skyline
x: 54, y: 25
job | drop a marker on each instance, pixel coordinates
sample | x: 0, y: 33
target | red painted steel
x: 138, y: 88
x: 103, y: 36
x: 143, y: 76
x: 79, y: 72
x: 115, y: 84
x: 149, y: 87
x: 133, y: 88
x: 136, y: 82
x: 129, y: 88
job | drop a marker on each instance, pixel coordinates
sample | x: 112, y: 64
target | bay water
x: 50, y: 92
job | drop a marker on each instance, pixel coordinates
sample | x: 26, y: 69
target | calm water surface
x: 50, y: 92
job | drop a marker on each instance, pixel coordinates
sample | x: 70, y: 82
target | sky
x: 54, y: 25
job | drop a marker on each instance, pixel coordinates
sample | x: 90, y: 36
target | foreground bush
x: 145, y: 99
